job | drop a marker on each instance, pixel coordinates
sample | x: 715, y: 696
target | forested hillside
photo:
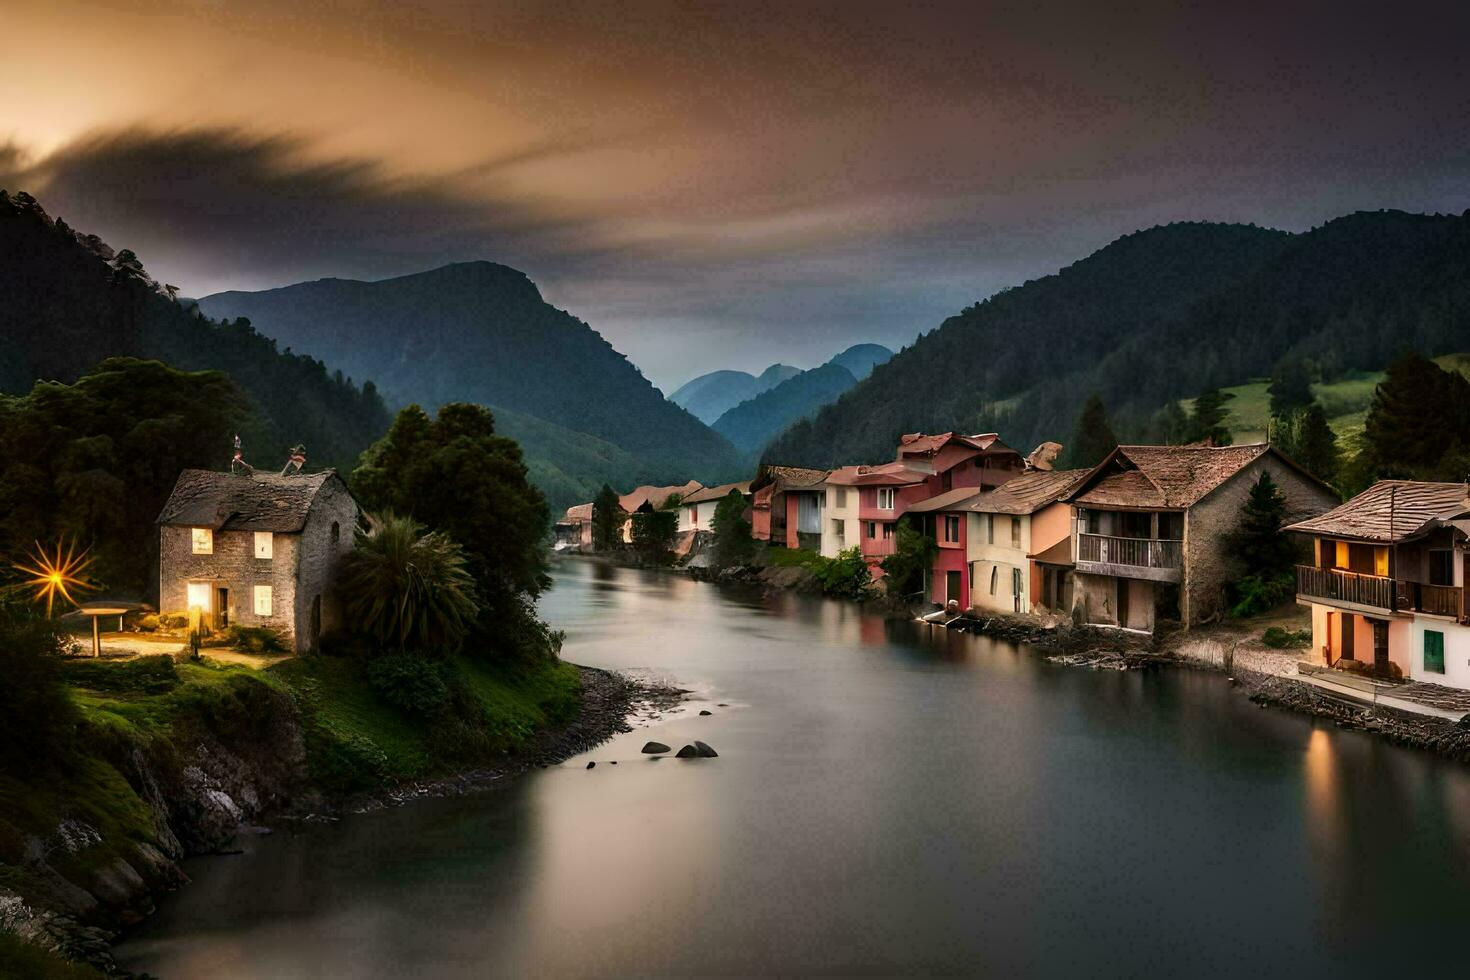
x: 752, y: 424
x: 481, y: 332
x: 1156, y: 316
x: 711, y: 395
x: 68, y: 301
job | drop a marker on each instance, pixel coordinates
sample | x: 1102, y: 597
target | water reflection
x: 890, y: 798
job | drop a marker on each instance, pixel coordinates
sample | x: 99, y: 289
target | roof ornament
x: 295, y: 461
x: 238, y: 466
x: 1044, y: 456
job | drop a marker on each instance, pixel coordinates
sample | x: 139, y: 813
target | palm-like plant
x: 408, y: 589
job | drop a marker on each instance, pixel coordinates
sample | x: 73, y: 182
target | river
x: 889, y: 798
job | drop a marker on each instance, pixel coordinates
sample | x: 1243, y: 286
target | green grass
x: 23, y: 961
x: 792, y: 558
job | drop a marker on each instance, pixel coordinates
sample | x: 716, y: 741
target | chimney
x: 295, y: 461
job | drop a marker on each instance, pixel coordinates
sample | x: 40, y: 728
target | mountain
x: 711, y: 395
x: 756, y: 421
x: 1159, y: 315
x: 860, y: 359
x: 67, y: 301
x: 481, y: 332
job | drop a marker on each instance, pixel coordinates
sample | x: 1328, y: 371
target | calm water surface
x: 888, y: 799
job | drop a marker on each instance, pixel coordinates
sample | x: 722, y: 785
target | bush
x: 410, y: 683
x: 38, y: 717
x: 844, y: 577
x: 149, y: 623
x: 254, y: 639
x: 1279, y: 639
x: 142, y: 675
x: 1255, y: 594
x: 173, y: 621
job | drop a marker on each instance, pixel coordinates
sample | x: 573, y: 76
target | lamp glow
x: 58, y: 573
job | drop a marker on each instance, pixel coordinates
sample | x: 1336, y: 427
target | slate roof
x: 949, y: 500
x: 1390, y: 510
x: 717, y: 493
x: 229, y: 502
x: 1028, y: 492
x: 1164, y: 477
x: 920, y: 444
x: 654, y: 496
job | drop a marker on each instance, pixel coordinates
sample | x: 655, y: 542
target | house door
x: 1122, y: 601
x: 952, y: 586
x: 1380, y: 647
x: 221, y: 608
x: 1349, y: 627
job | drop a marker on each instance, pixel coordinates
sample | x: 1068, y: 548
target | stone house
x: 1151, y: 526
x: 256, y: 550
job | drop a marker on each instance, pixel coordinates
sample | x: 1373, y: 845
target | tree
x: 1267, y: 556
x: 408, y: 590
x: 1307, y: 438
x: 1169, y: 426
x: 733, y: 543
x: 913, y: 556
x: 454, y: 474
x: 1094, y: 437
x: 653, y: 534
x: 607, y: 520
x: 1207, y: 421
x: 1291, y: 387
x: 844, y: 577
x: 40, y: 718
x: 1418, y: 424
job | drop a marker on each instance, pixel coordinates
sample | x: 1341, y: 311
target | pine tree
x: 1207, y: 422
x: 607, y: 520
x: 733, y: 543
x: 1290, y: 388
x: 1267, y: 556
x: 1307, y: 438
x: 1418, y: 424
x: 1094, y: 437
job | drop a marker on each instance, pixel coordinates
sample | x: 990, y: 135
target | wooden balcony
x: 1160, y: 560
x: 1379, y: 593
x: 879, y: 547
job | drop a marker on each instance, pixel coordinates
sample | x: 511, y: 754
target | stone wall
x: 1208, y: 566
x: 232, y: 566
x: 326, y: 538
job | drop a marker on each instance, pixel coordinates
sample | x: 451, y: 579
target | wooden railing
x: 1139, y: 552
x: 880, y: 546
x: 1436, y: 600
x: 1376, y: 591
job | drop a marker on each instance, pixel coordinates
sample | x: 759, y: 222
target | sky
x: 718, y: 185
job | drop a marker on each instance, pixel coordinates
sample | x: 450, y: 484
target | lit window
x: 203, y: 541
x: 885, y: 498
x: 264, y: 544
x: 262, y: 600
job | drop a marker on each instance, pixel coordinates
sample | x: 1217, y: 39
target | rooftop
x: 789, y: 477
x: 230, y: 502
x: 1163, y: 477
x: 1390, y: 510
x: 655, y: 497
x: 716, y: 493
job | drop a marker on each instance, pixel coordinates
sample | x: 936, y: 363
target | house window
x: 872, y: 527
x: 1016, y: 582
x: 336, y: 532
x: 1441, y: 567
x: 838, y: 530
x: 1433, y: 652
x: 262, y: 600
x: 990, y: 529
x: 947, y: 480
x: 994, y: 577
x: 1342, y: 555
x: 197, y: 596
x: 885, y: 498
x: 887, y: 531
x: 1015, y: 532
x: 951, y: 529
x: 264, y: 544
x: 841, y: 498
x: 1171, y: 526
x: 203, y: 541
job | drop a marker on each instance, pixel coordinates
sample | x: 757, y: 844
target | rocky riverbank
x: 244, y: 766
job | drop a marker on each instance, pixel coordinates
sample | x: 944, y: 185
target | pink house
x: 786, y: 506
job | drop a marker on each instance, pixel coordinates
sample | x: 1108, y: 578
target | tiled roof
x: 1390, y: 510
x: 229, y: 502
x: 654, y: 496
x: 920, y: 444
x: 789, y: 477
x: 949, y: 500
x: 716, y: 493
x: 1164, y: 477
x: 883, y: 475
x: 1028, y: 492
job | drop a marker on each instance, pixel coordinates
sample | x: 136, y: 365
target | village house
x: 1007, y: 549
x: 574, y: 531
x: 1151, y: 526
x: 1387, y: 582
x: 697, y: 510
x: 256, y: 550
x: 864, y: 503
x: 654, y: 497
x: 786, y: 506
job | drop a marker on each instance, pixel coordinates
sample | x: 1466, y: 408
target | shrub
x: 142, y: 675
x: 844, y: 577
x: 1255, y: 594
x: 409, y: 683
x: 149, y: 623
x: 254, y: 639
x: 173, y: 621
x: 1279, y: 639
x: 38, y: 717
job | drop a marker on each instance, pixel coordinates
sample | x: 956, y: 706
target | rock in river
x: 591, y: 764
x: 705, y: 752
x: 654, y: 748
x: 687, y: 752
x: 706, y: 712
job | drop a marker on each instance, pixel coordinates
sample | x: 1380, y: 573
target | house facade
x: 1150, y: 529
x: 1386, y: 585
x: 697, y: 509
x: 574, y: 531
x: 256, y: 550
x: 787, y: 504
x: 655, y: 497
